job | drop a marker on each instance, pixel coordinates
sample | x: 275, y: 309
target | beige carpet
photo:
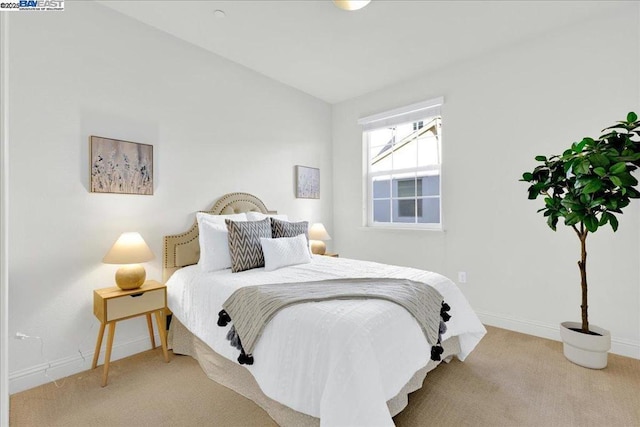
x: 511, y: 379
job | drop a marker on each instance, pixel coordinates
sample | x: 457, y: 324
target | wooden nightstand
x: 331, y: 254
x: 113, y: 304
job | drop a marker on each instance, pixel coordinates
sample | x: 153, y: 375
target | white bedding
x: 337, y: 360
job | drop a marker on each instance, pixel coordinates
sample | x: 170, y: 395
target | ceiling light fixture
x: 219, y: 14
x: 351, y: 4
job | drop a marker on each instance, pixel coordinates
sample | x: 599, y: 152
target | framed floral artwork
x: 121, y: 167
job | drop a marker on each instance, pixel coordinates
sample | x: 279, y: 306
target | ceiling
x: 336, y: 55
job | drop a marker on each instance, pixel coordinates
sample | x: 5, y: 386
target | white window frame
x: 413, y: 112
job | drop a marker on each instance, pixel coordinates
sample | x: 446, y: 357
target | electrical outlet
x: 462, y: 277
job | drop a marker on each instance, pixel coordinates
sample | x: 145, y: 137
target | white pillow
x: 259, y: 216
x: 285, y: 251
x: 219, y: 219
x: 213, y: 240
x: 214, y: 247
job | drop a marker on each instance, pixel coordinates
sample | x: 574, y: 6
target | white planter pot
x: 585, y: 350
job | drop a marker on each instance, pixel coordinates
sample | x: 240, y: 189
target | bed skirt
x: 239, y: 379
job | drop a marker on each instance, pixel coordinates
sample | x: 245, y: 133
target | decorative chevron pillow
x: 244, y: 243
x: 288, y: 229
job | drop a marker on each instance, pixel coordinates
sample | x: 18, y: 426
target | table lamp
x: 351, y: 4
x: 130, y: 249
x: 317, y: 233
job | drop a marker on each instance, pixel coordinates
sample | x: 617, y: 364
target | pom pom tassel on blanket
x: 234, y: 338
x: 223, y: 318
x: 437, y: 350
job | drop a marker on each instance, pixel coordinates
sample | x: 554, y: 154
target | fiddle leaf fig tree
x: 588, y: 186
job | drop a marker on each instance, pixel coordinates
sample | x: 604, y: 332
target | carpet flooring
x: 511, y: 379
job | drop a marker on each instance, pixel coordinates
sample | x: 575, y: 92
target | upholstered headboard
x: 181, y: 250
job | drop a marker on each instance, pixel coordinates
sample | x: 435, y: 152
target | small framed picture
x: 121, y: 167
x: 307, y: 182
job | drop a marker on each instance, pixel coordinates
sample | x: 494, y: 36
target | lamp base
x: 318, y: 247
x: 130, y: 276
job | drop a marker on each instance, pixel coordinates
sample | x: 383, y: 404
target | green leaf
x: 618, y: 168
x: 592, y: 186
x: 599, y: 160
x: 580, y: 146
x: 633, y: 158
x: 600, y: 171
x: 616, y: 181
x: 622, y: 159
x: 608, y: 135
x: 603, y: 219
x: 572, y: 205
x: 627, y: 179
x: 613, y: 221
x: 633, y: 193
x: 584, y: 180
x: 541, y: 158
x: 632, y: 117
x: 539, y: 186
x: 591, y: 222
x: 568, y: 165
x: 527, y: 176
x: 572, y: 219
x: 581, y: 167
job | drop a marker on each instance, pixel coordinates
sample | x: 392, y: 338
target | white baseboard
x: 52, y: 370
x: 621, y: 346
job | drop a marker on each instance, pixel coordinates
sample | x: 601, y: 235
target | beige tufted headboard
x: 181, y: 250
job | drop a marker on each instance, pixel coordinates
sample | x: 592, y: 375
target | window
x: 403, y: 161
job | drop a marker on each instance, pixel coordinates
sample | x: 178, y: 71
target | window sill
x: 400, y: 229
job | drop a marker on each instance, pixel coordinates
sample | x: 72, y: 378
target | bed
x: 337, y: 362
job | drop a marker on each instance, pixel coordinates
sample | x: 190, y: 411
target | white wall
x: 500, y: 111
x: 216, y: 127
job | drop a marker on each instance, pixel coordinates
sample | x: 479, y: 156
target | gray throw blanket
x: 252, y: 307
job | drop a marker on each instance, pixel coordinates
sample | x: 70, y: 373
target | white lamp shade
x: 318, y: 232
x: 351, y: 4
x: 130, y: 248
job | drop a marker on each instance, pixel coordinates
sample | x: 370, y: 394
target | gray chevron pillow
x: 289, y: 229
x: 244, y: 243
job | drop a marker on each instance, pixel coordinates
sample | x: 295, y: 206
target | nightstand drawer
x: 134, y: 304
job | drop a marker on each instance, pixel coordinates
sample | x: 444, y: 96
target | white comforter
x: 337, y: 360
